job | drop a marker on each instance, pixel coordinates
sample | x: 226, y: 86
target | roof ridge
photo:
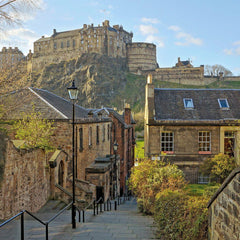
x: 44, y: 100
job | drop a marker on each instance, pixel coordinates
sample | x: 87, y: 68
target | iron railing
x: 97, y: 206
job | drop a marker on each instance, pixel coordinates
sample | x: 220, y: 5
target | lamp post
x: 115, y: 148
x: 73, y: 93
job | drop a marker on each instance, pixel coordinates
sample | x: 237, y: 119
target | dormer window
x: 188, y: 103
x: 223, y: 103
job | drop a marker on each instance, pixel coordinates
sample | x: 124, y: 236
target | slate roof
x: 50, y: 105
x: 61, y: 104
x: 169, y: 104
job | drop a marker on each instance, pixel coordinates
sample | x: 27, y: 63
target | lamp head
x: 73, y: 91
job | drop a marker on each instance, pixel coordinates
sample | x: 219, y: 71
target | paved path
x: 125, y: 223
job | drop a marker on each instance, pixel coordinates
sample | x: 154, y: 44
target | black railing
x: 46, y: 224
x: 97, y: 206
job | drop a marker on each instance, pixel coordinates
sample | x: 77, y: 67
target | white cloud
x: 238, y: 51
x: 105, y: 12
x: 156, y: 40
x: 21, y: 37
x: 174, y: 28
x: 233, y: 51
x: 228, y: 51
x: 236, y: 43
x: 187, y: 38
x: 148, y: 30
x: 150, y: 20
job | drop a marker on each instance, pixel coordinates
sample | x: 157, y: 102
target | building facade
x: 10, y: 57
x: 187, y: 126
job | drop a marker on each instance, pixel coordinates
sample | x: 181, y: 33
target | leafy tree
x: 218, y: 167
x: 216, y: 69
x: 35, y: 131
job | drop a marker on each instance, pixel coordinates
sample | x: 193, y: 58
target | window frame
x: 97, y: 134
x: 164, y: 143
x: 206, y: 144
x: 185, y: 105
x: 220, y: 105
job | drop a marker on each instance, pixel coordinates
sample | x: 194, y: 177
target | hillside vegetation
x: 102, y: 81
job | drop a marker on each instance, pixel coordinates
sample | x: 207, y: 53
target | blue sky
x: 204, y: 31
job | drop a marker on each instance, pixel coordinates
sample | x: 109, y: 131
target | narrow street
x: 125, y: 223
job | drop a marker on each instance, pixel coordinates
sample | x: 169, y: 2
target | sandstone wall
x: 186, y: 153
x: 224, y: 210
x: 25, y: 183
x: 141, y: 56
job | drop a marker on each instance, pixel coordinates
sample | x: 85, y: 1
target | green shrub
x: 179, y: 216
x: 151, y: 177
x: 218, y: 167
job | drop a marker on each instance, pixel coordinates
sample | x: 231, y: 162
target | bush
x: 151, y: 177
x: 218, y: 167
x: 180, y: 216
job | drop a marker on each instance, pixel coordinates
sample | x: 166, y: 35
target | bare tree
x: 216, y: 69
x: 13, y: 11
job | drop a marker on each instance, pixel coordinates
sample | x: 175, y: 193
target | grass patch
x: 139, y: 149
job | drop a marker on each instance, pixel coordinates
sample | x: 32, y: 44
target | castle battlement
x: 104, y: 39
x: 9, y: 57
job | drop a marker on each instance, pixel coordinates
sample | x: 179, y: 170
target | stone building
x: 9, y: 57
x: 189, y: 125
x: 102, y: 39
x: 93, y: 147
x: 123, y: 134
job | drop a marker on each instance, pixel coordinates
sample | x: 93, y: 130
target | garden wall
x: 224, y: 210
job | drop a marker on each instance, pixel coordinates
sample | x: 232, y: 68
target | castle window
x: 73, y: 42
x: 108, y: 132
x: 103, y: 133
x: 223, y: 103
x: 68, y: 43
x: 82, y: 41
x: 188, y: 103
x: 80, y: 139
x: 204, y: 142
x: 167, y: 142
x: 61, y: 44
x: 97, y: 135
x: 90, y: 136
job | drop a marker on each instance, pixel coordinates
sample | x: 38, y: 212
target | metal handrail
x: 36, y: 218
x: 11, y: 219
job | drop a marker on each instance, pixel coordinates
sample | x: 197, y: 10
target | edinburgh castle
x: 113, y: 42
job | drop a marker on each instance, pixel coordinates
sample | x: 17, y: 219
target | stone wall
x: 141, y: 56
x: 224, y: 210
x: 25, y: 183
x: 186, y: 153
x: 105, y: 40
x: 9, y: 57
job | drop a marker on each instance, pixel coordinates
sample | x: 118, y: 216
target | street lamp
x: 115, y: 148
x: 73, y: 93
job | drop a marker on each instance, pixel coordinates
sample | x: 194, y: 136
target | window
x: 204, y: 142
x: 80, y: 139
x: 188, y: 103
x: 223, y: 103
x: 229, y: 143
x: 108, y: 132
x: 61, y: 44
x: 97, y: 135
x: 90, y: 136
x: 68, y: 43
x: 73, y: 43
x: 103, y: 133
x: 167, y: 139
